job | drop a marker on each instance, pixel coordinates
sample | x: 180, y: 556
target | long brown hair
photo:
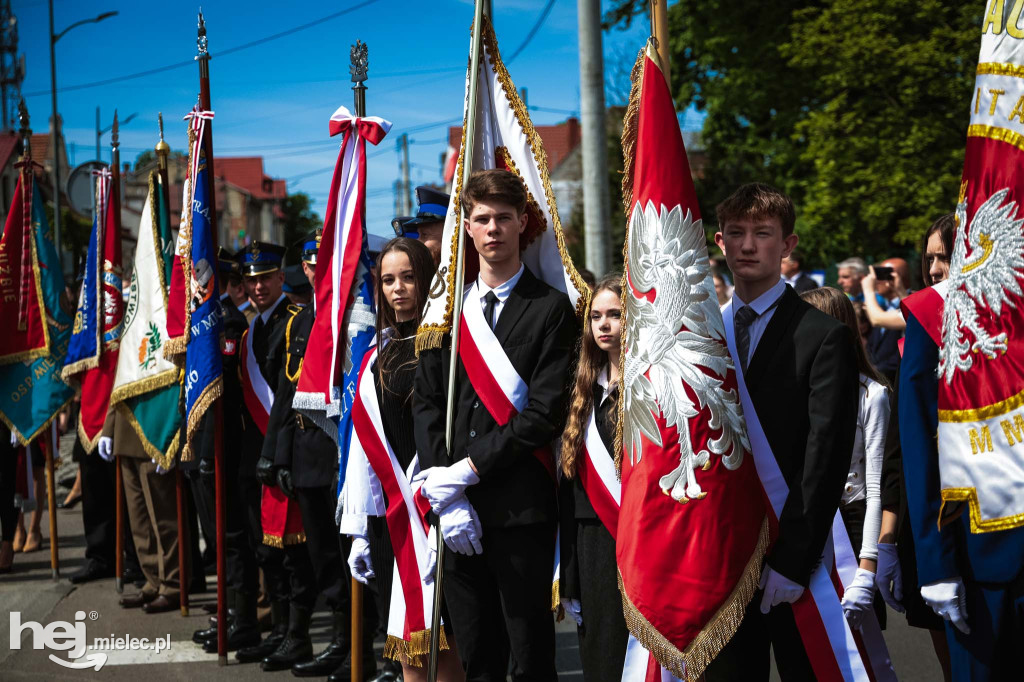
x: 946, y: 227
x: 423, y: 268
x: 832, y: 301
x: 592, y: 361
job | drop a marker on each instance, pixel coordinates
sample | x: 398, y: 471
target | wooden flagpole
x: 51, y: 449
x: 114, y: 204
x: 203, y: 57
x: 468, y: 138
x: 659, y: 29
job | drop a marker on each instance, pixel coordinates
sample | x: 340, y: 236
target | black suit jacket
x: 268, y: 347
x: 802, y: 380
x: 884, y: 351
x: 537, y: 328
x: 303, y: 448
x: 804, y: 283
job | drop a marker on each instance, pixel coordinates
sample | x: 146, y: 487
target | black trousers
x: 98, y: 508
x: 746, y: 656
x: 382, y: 554
x: 500, y: 604
x: 329, y: 566
x: 244, y: 543
x: 205, y: 500
x: 603, y: 635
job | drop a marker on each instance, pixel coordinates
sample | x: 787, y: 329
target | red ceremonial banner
x: 25, y: 334
x: 693, y: 525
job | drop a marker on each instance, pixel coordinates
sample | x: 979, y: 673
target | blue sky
x: 274, y: 99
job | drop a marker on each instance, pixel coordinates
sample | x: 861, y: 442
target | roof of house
x: 9, y: 142
x: 247, y: 172
x: 559, y: 140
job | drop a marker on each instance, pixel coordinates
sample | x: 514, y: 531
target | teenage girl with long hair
x: 403, y: 273
x: 861, y: 505
x: 588, y: 585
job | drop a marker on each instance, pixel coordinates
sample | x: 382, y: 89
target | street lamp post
x: 54, y: 37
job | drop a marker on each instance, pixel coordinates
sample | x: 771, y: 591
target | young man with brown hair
x: 800, y: 371
x: 493, y: 491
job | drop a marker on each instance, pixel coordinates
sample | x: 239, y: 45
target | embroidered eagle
x: 676, y: 358
x: 981, y: 282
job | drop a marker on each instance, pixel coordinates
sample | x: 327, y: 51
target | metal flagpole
x: 203, y: 57
x: 359, y: 64
x: 468, y: 138
x: 51, y: 502
x: 163, y: 195
x: 114, y: 204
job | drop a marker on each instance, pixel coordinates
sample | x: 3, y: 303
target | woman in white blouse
x: 861, y: 505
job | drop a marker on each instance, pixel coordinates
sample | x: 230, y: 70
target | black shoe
x: 260, y: 650
x: 239, y: 639
x: 331, y: 658
x: 91, y: 571
x: 205, y: 635
x: 296, y: 647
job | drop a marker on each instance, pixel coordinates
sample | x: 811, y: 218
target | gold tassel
x: 556, y: 603
x: 429, y: 338
x: 413, y: 652
x: 690, y: 664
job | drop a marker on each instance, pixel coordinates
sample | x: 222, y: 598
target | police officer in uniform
x: 428, y: 225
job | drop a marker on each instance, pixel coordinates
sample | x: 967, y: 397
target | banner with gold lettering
x: 981, y: 357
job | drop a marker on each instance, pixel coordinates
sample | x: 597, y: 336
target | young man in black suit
x: 800, y: 369
x: 494, y: 496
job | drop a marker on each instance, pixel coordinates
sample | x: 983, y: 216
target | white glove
x: 159, y: 469
x: 574, y: 609
x: 431, y: 568
x: 889, y: 572
x: 106, y: 448
x: 460, y: 527
x: 359, y: 562
x: 442, y: 485
x: 778, y: 589
x: 858, y: 597
x: 948, y: 599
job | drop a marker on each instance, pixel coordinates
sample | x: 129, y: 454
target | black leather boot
x: 243, y: 631
x: 206, y: 634
x: 344, y: 672
x: 296, y: 646
x: 331, y: 658
x: 260, y: 650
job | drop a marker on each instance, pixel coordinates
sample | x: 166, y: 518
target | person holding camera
x: 884, y: 286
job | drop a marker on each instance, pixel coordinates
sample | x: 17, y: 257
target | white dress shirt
x: 764, y: 306
x: 501, y: 291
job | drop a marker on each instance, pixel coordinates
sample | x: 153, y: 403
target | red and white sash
x: 499, y: 386
x: 411, y: 607
x: 834, y: 651
x: 597, y: 475
x: 256, y: 392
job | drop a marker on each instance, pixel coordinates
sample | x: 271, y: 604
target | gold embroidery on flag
x: 978, y: 524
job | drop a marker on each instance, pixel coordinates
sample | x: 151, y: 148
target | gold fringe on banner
x: 164, y: 459
x: 25, y: 440
x: 690, y: 664
x: 630, y: 128
x: 279, y: 542
x: 414, y: 651
x: 87, y: 444
x: 556, y: 602
x: 177, y: 345
x: 137, y: 388
x: 202, y: 404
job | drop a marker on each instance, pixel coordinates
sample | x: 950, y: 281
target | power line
x: 533, y: 31
x: 222, y: 53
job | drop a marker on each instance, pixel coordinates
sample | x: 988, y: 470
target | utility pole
x: 596, y: 230
x: 406, y: 188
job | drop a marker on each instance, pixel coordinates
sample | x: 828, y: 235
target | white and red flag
x: 344, y: 327
x: 981, y: 357
x: 693, y: 525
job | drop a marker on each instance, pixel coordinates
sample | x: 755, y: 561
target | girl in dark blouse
x: 403, y: 272
x: 588, y: 584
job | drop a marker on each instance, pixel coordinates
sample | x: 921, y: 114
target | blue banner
x: 32, y: 393
x: 360, y: 339
x: 202, y: 355
x: 84, y: 347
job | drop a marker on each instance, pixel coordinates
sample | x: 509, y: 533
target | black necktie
x: 742, y: 319
x: 490, y: 301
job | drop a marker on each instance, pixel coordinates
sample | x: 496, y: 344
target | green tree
x: 299, y: 220
x: 857, y: 108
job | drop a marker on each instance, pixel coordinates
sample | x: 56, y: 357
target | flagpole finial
x: 114, y: 142
x: 360, y: 64
x: 201, y: 42
x: 25, y: 131
x: 162, y: 148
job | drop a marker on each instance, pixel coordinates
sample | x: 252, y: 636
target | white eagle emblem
x: 676, y: 358
x: 981, y: 282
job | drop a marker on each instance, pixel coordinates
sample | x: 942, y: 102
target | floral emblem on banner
x: 149, y: 347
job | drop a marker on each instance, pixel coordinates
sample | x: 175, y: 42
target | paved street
x: 31, y: 591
